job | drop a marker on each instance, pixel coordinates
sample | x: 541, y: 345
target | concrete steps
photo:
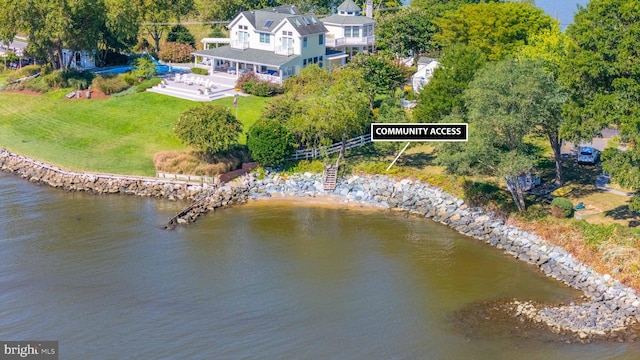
x: 187, y: 94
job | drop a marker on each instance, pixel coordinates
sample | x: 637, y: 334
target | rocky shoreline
x: 609, y: 308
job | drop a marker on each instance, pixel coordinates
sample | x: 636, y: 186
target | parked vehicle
x: 588, y: 155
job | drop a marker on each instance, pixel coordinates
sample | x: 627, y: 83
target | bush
x: 250, y: 84
x: 149, y: 83
x: 270, y: 143
x: 199, y: 71
x: 109, y: 84
x: 129, y: 78
x: 24, y: 72
x: 145, y: 68
x: 561, y: 208
x: 209, y: 128
x: 175, y: 52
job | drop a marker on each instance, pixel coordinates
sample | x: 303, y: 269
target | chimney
x: 369, y: 9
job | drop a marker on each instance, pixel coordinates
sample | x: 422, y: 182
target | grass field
x: 115, y: 135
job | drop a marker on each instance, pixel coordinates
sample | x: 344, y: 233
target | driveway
x: 598, y: 143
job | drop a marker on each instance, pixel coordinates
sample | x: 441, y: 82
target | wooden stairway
x: 330, y: 177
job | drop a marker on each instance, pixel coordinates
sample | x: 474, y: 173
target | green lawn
x: 116, y: 135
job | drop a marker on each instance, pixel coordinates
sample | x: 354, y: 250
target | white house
x: 274, y: 43
x: 426, y: 66
x: 349, y: 30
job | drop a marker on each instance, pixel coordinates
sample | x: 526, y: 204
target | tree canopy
x: 498, y: 29
x: 443, y: 94
x: 505, y: 102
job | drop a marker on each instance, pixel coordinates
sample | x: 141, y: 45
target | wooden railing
x: 326, y: 150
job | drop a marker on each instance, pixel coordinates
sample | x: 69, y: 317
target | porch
x: 266, y: 65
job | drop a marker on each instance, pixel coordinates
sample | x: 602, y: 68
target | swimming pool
x: 160, y: 69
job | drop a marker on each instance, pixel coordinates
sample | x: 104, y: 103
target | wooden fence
x: 326, y: 150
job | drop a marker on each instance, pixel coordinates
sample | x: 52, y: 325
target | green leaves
x: 498, y: 29
x: 209, y: 128
x: 270, y: 142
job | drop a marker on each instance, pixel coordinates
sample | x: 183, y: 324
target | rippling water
x: 98, y: 274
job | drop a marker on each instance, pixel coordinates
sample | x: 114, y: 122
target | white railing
x: 326, y: 150
x: 240, y: 44
x: 271, y: 78
x: 284, y: 51
x: 365, y: 40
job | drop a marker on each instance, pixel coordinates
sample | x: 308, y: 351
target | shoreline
x: 610, y: 308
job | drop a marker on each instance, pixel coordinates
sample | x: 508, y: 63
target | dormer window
x: 305, y: 20
x: 295, y: 20
x: 268, y: 23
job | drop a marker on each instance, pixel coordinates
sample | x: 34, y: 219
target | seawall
x: 609, y: 307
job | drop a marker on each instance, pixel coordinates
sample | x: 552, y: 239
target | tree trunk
x: 556, y: 146
x: 343, y: 148
x: 516, y: 192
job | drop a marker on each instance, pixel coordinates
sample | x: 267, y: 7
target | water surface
x: 98, y: 274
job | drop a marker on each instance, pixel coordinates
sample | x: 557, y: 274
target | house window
x: 304, y: 42
x: 321, y: 39
x: 364, y: 31
x: 356, y: 31
x: 265, y: 38
x: 347, y: 31
x: 304, y: 62
x: 315, y: 60
x: 243, y: 27
x: 287, y: 33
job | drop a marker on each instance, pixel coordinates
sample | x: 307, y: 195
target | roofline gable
x: 237, y: 18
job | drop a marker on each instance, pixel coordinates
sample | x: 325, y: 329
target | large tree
x: 505, y: 102
x: 602, y: 72
x: 405, y: 32
x: 498, y: 29
x: 383, y: 74
x: 602, y: 69
x: 156, y: 14
x: 442, y: 96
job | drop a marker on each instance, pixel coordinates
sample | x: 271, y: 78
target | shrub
x: 270, y: 142
x: 109, y: 84
x: 24, y: 72
x: 250, y: 84
x: 210, y: 128
x: 129, y: 78
x: 175, y: 52
x: 144, y: 85
x: 200, y: 71
x: 561, y: 207
x: 145, y: 68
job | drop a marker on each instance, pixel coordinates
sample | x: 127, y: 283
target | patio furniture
x: 231, y: 70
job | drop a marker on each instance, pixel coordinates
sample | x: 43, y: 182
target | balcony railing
x: 284, y: 51
x: 343, y: 41
x: 239, y: 44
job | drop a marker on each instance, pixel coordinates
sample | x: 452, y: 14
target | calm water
x: 563, y: 10
x: 98, y: 274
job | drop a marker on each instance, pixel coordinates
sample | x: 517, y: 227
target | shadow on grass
x: 623, y: 213
x: 418, y: 160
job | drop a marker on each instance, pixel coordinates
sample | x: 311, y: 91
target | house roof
x: 425, y: 60
x: 268, y: 20
x: 347, y: 20
x: 348, y: 5
x: 253, y: 56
